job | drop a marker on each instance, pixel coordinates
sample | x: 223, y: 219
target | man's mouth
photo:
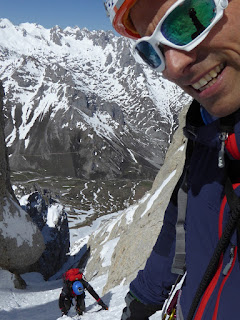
x: 209, y: 79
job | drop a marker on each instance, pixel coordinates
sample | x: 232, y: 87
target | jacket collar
x: 211, y: 134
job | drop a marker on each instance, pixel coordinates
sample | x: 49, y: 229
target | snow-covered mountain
x: 78, y: 104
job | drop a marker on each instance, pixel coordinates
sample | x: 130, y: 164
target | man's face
x: 210, y: 73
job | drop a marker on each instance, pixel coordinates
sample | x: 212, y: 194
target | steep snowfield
x: 40, y: 301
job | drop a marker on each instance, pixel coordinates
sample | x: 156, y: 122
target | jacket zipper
x: 228, y: 266
x: 228, y: 269
x: 221, y: 161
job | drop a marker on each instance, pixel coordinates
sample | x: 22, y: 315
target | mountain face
x: 79, y: 104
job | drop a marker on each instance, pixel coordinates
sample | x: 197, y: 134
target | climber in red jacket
x: 74, y: 286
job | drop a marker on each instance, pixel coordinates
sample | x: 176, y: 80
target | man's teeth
x: 209, y: 79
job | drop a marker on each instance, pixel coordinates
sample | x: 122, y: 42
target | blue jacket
x: 207, y: 213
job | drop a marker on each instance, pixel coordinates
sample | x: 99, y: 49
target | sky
x: 48, y: 13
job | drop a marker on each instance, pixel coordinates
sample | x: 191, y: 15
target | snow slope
x: 40, y: 301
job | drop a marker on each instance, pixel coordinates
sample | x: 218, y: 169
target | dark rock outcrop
x: 51, y: 219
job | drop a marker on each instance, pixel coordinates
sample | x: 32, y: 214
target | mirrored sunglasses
x: 183, y: 27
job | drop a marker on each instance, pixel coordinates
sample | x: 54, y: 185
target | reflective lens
x: 188, y: 20
x: 148, y: 54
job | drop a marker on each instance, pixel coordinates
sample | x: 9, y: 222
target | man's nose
x: 178, y: 62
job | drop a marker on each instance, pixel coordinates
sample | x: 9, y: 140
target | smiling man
x: 195, y: 44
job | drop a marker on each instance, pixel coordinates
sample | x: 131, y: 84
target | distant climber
x: 200, y: 28
x: 74, y: 286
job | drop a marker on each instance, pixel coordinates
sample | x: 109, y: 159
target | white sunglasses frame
x: 157, y: 39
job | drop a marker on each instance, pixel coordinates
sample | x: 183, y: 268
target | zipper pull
x: 228, y: 266
x: 221, y: 161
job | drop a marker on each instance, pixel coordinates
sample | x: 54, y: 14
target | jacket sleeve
x: 152, y: 285
x: 64, y: 300
x: 150, y: 288
x: 66, y: 290
x: 61, y: 301
x: 136, y: 310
